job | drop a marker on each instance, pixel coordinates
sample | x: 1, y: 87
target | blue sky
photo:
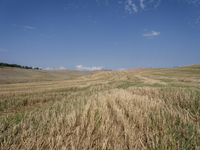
x: 91, y: 34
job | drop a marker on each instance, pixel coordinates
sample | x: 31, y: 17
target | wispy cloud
x: 134, y: 6
x: 131, y: 7
x: 142, y: 4
x: 195, y: 2
x: 24, y: 27
x: 81, y: 67
x: 28, y: 27
x: 151, y: 34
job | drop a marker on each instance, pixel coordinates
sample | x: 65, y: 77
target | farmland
x: 147, y: 108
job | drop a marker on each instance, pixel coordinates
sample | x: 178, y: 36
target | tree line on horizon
x: 18, y: 66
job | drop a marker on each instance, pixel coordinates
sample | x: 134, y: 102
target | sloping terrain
x: 133, y: 109
x: 17, y: 75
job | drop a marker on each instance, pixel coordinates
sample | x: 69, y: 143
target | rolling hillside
x: 152, y: 108
x: 17, y: 75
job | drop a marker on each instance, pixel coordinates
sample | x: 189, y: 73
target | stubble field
x: 119, y: 110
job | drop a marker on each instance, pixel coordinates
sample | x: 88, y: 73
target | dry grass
x: 106, y: 110
x: 17, y: 75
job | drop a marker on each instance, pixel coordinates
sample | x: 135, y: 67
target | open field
x: 16, y: 75
x: 134, y: 109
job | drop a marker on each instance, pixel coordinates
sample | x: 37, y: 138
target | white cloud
x: 195, y: 2
x: 24, y: 27
x: 131, y: 7
x: 48, y: 68
x: 149, y: 4
x: 55, y: 68
x: 134, y: 6
x: 121, y: 69
x: 61, y: 68
x: 81, y: 67
x: 142, y: 4
x: 27, y: 27
x: 151, y: 34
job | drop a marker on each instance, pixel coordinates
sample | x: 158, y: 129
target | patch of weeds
x: 7, y: 123
x: 97, y: 118
x: 157, y: 130
x: 171, y: 132
x: 144, y: 85
x: 71, y: 89
x: 185, y: 100
x: 2, y: 105
x: 127, y: 84
x: 167, y: 80
x: 14, y: 119
x: 184, y: 134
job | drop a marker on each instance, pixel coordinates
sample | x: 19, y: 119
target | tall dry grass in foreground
x: 111, y: 113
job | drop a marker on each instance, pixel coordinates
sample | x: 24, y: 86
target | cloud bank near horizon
x: 85, y: 68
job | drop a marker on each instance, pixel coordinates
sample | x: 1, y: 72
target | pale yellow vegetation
x: 104, y: 110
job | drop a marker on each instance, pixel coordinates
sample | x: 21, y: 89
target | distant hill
x: 13, y: 74
x: 18, y: 66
